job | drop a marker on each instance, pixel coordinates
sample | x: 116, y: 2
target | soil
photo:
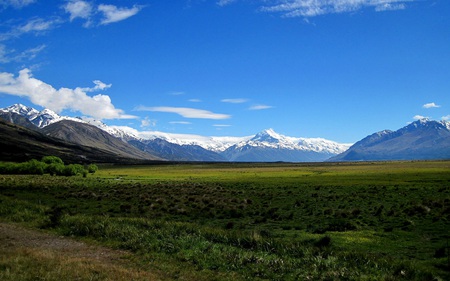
x: 13, y: 237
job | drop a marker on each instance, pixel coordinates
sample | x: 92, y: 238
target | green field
x: 325, y: 221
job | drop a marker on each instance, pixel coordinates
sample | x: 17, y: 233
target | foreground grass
x: 368, y: 221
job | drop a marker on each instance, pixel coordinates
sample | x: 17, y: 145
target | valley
x: 223, y: 221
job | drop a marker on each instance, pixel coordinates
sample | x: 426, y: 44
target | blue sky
x: 337, y: 69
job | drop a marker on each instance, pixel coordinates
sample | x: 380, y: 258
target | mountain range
x: 423, y: 139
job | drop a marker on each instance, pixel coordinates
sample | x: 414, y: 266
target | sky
x: 335, y: 69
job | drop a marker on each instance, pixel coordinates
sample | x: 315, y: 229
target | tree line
x: 47, y: 165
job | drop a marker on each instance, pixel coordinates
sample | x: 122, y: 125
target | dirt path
x: 66, y: 252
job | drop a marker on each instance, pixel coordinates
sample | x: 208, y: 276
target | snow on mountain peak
x: 268, y: 135
x: 267, y: 138
x: 20, y: 109
x: 271, y: 139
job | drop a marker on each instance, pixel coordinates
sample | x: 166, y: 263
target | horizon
x: 338, y: 71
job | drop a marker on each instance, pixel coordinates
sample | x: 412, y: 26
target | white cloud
x: 43, y: 94
x: 420, y: 117
x: 224, y: 2
x: 312, y: 8
x: 446, y: 118
x: 390, y: 7
x: 234, y: 100
x: 147, y: 122
x: 185, y: 112
x: 78, y: 9
x: 180, y: 122
x: 16, y: 3
x: 195, y: 100
x: 176, y: 93
x: 113, y: 13
x: 7, y: 56
x: 99, y: 86
x: 221, y: 125
x: 430, y: 105
x: 37, y: 25
x: 108, y: 13
x: 260, y: 107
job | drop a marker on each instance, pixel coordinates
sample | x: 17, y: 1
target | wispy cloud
x: 79, y: 9
x: 16, y: 3
x: 177, y: 93
x: 221, y: 125
x: 446, y: 118
x: 260, y: 107
x: 430, y: 105
x: 7, y: 55
x: 43, y: 94
x: 420, y: 117
x: 185, y: 112
x: 147, y: 122
x: 36, y: 26
x: 108, y: 13
x: 113, y: 13
x: 312, y: 8
x: 180, y: 122
x: 225, y: 2
x: 234, y: 100
x: 195, y: 100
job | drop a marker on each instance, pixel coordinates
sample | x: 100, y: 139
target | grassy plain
x: 231, y: 221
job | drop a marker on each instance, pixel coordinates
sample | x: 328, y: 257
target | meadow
x: 257, y: 221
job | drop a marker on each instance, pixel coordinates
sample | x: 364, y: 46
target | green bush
x: 73, y: 170
x: 48, y: 165
x: 92, y: 168
x: 55, y: 169
x: 33, y: 167
x: 52, y: 160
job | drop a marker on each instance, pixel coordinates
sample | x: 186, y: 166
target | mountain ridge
x: 199, y: 148
x: 420, y: 140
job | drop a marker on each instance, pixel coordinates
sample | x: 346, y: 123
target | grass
x: 325, y: 221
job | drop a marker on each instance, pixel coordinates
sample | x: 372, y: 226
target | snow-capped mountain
x: 422, y: 139
x: 264, y: 146
x: 269, y: 138
x: 39, y: 118
x: 269, y: 146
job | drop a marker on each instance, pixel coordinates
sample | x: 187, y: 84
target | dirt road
x: 23, y: 249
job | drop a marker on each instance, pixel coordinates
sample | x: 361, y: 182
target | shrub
x: 92, y: 168
x: 33, y: 167
x: 55, y: 169
x: 52, y: 160
x: 73, y: 170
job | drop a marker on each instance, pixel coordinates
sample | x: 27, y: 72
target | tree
x: 92, y: 168
x: 33, y: 167
x: 73, y: 170
x: 52, y: 160
x: 55, y: 169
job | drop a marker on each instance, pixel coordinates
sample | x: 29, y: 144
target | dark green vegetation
x: 48, y: 165
x: 332, y: 221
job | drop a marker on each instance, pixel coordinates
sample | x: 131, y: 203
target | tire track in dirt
x: 15, y: 238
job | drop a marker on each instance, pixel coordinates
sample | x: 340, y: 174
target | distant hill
x: 18, y: 119
x: 176, y: 152
x: 88, y: 135
x: 420, y: 140
x: 18, y: 144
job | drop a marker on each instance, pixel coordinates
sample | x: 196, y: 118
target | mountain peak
x: 428, y: 123
x: 20, y: 109
x: 267, y: 135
